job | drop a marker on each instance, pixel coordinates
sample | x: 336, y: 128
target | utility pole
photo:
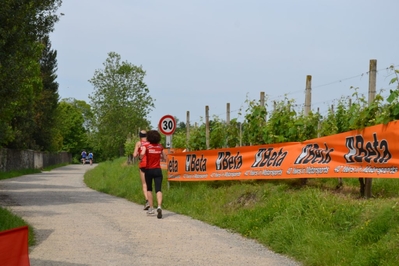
x: 187, y: 129
x: 372, y: 92
x: 207, y: 126
x: 308, y: 104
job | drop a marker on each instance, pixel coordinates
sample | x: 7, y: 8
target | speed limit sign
x: 167, y: 125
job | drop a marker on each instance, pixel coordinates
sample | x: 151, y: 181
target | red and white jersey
x: 153, y: 154
x: 143, y: 162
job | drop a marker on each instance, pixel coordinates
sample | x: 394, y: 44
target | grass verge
x: 316, y: 224
x: 11, y: 174
x: 8, y: 220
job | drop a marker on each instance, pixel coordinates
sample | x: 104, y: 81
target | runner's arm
x: 163, y: 156
x: 136, y: 149
x: 142, y: 153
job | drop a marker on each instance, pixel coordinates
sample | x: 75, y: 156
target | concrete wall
x: 28, y: 159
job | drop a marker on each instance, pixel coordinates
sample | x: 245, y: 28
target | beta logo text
x: 195, y: 164
x: 269, y: 157
x: 359, y: 150
x: 227, y: 161
x: 173, y: 165
x: 312, y: 153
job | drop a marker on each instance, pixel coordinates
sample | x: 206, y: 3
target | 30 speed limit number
x: 167, y: 125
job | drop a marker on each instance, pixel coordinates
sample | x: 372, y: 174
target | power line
x: 360, y: 75
x: 390, y: 68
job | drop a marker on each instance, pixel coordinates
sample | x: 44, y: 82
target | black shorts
x: 156, y: 175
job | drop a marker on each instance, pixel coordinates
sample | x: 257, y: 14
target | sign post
x: 167, y: 126
x: 168, y: 141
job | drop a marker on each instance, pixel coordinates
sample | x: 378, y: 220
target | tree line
x: 32, y: 116
x: 28, y: 87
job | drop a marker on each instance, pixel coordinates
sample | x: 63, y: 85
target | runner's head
x: 143, y: 134
x: 153, y: 136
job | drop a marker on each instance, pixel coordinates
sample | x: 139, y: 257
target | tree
x: 70, y: 133
x: 197, y: 139
x: 120, y: 102
x: 179, y: 137
x: 22, y: 25
x: 47, y: 101
x: 219, y: 131
x: 255, y: 122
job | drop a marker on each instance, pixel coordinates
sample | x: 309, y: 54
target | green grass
x: 315, y: 224
x: 11, y: 174
x: 6, y: 175
x: 10, y: 221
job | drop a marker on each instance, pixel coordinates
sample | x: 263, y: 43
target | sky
x: 199, y: 53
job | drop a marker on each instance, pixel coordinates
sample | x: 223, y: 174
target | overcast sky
x: 199, y: 53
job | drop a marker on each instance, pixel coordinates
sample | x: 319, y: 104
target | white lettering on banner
x: 263, y: 172
x: 174, y: 176
x: 317, y: 170
x: 226, y: 174
x: 195, y: 176
x: 295, y: 171
x: 308, y: 170
x: 380, y: 170
x: 366, y: 170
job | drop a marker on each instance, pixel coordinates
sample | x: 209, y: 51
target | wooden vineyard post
x: 308, y: 104
x: 372, y: 92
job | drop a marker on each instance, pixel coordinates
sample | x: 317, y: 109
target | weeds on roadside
x: 8, y: 220
x: 11, y: 174
x: 316, y: 224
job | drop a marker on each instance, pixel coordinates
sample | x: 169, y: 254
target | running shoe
x: 151, y: 212
x: 159, y: 211
x: 146, y: 205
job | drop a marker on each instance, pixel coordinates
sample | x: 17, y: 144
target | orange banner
x: 164, y: 165
x: 14, y: 247
x: 370, y: 153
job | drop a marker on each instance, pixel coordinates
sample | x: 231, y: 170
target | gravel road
x: 76, y: 225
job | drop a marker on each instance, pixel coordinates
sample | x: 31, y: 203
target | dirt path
x: 78, y: 226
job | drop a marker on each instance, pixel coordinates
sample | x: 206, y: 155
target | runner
x: 83, y: 154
